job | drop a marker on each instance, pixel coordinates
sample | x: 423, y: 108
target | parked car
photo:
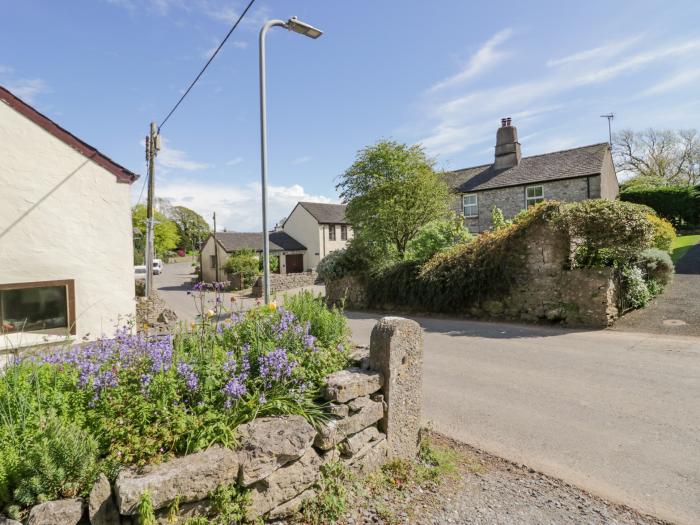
x: 157, y: 266
x: 140, y: 271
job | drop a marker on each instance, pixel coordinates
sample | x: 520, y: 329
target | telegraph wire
x: 250, y: 4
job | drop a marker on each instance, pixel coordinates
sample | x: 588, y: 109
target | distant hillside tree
x: 658, y: 157
x: 191, y: 227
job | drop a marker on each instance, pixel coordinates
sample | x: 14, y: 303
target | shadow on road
x: 457, y: 327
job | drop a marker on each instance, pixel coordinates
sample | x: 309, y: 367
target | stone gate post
x: 396, y: 351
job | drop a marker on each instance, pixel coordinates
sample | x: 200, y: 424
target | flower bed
x: 136, y: 400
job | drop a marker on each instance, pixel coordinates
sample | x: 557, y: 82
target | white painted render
x: 64, y: 217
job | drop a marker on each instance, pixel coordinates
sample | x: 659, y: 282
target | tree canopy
x: 658, y: 157
x: 392, y: 191
x: 166, y: 237
x: 191, y: 227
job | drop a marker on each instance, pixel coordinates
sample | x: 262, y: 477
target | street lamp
x: 293, y: 24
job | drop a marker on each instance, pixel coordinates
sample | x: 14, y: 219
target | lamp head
x: 296, y: 25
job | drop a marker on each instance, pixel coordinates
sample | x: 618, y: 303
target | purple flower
x: 235, y: 388
x: 262, y: 399
x: 187, y: 373
x: 275, y: 367
x: 308, y: 340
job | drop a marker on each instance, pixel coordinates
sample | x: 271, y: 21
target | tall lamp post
x: 293, y: 24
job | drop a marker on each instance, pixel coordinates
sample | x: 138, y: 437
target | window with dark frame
x: 343, y: 232
x: 37, y: 307
x: 331, y: 232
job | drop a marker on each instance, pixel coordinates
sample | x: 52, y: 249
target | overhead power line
x: 207, y: 64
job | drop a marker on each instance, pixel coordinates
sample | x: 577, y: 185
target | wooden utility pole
x: 152, y: 148
x: 216, y: 251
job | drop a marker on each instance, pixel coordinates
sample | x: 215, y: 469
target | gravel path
x: 490, y: 490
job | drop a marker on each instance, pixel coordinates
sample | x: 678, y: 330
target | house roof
x: 566, y: 164
x: 279, y: 241
x: 120, y: 172
x: 326, y: 213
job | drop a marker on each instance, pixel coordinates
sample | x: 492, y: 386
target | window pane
x: 34, y: 309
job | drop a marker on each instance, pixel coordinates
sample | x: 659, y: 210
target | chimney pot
x: 503, y: 123
x: 508, y: 121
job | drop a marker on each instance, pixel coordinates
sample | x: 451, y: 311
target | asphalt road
x: 615, y: 413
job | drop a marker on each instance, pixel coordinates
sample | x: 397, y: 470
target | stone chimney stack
x: 507, y: 146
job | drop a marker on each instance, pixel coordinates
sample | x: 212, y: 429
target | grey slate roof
x: 326, y: 213
x: 567, y: 164
x: 279, y: 241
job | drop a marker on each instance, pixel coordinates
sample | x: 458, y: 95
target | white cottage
x: 66, y: 250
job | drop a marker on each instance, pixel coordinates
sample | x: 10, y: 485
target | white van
x: 157, y: 266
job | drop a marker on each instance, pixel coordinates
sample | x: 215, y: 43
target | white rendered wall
x: 64, y: 217
x: 302, y: 226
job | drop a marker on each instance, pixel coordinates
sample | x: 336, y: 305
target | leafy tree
x: 437, y: 236
x: 244, y: 262
x: 659, y: 155
x: 166, y: 237
x: 392, y: 191
x: 191, y: 227
x: 498, y: 219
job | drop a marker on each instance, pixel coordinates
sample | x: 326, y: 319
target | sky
x: 439, y: 73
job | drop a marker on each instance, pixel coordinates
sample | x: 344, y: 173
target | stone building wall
x: 374, y: 412
x: 511, y: 200
x: 281, y: 282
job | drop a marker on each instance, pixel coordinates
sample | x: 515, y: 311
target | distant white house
x: 66, y: 250
x: 311, y: 232
x: 321, y: 227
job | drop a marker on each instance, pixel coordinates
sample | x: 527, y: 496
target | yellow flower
x: 193, y: 324
x: 210, y: 313
x: 272, y: 306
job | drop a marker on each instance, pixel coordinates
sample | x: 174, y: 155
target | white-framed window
x: 470, y: 205
x: 331, y: 232
x: 533, y: 195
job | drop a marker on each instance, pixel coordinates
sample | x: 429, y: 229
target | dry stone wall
x: 374, y: 415
x: 287, y: 281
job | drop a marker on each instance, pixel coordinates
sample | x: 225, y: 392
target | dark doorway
x: 295, y: 263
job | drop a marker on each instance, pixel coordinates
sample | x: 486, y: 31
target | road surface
x: 615, y: 413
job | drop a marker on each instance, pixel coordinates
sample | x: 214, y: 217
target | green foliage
x: 648, y: 181
x: 274, y: 264
x: 146, y: 513
x: 498, y: 220
x: 392, y: 191
x: 658, y: 265
x: 61, y: 463
x: 332, y: 497
x: 166, y: 237
x: 192, y: 229
x: 133, y: 400
x: 636, y: 291
x: 603, y: 230
x: 664, y: 233
x: 246, y: 263
x: 334, y: 266
x: 436, y: 462
x: 438, y: 236
x: 678, y: 204
x: 229, y: 504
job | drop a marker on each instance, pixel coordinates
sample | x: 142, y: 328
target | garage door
x: 295, y: 263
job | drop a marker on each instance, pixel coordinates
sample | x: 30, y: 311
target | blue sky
x: 440, y: 73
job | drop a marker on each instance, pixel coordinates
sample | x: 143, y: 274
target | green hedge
x: 678, y: 204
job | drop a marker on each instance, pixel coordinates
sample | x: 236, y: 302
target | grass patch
x: 681, y: 245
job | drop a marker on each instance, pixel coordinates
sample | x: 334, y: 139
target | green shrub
x: 147, y: 514
x: 333, y: 266
x: 246, y: 263
x: 605, y: 230
x: 437, y: 236
x: 61, y: 463
x: 678, y: 204
x: 635, y: 290
x: 664, y: 233
x: 331, y: 501
x: 658, y: 265
x: 498, y: 220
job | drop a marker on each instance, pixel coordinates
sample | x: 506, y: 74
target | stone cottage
x: 513, y: 182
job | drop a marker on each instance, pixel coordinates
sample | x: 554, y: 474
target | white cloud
x: 486, y: 57
x: 25, y: 88
x: 302, y: 160
x: 237, y: 208
x: 239, y: 44
x: 221, y: 10
x: 177, y: 159
x: 469, y: 118
x: 604, y: 51
x: 234, y: 162
x: 680, y: 79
